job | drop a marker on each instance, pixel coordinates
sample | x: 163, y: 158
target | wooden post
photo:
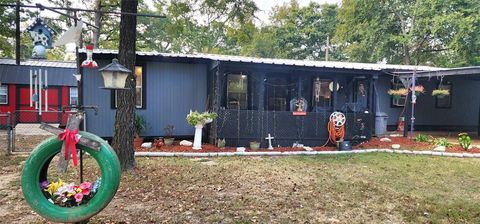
x: 17, y: 33
x: 217, y: 94
x: 73, y: 123
x: 334, y: 91
x: 373, y: 101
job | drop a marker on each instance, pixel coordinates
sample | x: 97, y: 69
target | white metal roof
x: 306, y: 63
x: 40, y: 63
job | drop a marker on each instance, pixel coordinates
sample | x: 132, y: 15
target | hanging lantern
x: 89, y: 62
x: 114, y: 75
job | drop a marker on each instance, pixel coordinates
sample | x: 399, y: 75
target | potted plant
x: 140, y: 125
x: 198, y: 120
x: 419, y: 89
x: 397, y: 93
x: 168, y: 140
x: 440, y: 93
x: 254, y: 145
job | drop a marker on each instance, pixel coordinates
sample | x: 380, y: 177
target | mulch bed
x: 374, y: 143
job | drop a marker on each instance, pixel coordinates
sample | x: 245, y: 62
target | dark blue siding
x: 465, y: 103
x: 172, y: 90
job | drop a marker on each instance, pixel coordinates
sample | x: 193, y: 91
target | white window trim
x: 70, y: 95
x: 6, y: 87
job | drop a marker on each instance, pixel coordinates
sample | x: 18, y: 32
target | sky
x: 266, y: 5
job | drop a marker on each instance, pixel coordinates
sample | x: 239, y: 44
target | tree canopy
x: 427, y: 32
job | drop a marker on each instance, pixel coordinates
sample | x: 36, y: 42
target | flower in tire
x: 69, y: 195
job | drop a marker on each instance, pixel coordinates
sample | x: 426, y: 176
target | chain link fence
x: 7, y: 134
x: 239, y: 127
x: 20, y: 131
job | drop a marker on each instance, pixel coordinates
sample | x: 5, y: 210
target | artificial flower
x: 78, y: 197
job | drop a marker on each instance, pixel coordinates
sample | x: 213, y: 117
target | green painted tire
x: 36, y: 167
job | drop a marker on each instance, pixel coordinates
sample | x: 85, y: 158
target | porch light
x: 114, y: 75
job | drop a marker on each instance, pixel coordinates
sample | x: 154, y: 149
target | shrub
x: 464, y: 140
x: 442, y: 142
x: 422, y: 138
x: 140, y: 124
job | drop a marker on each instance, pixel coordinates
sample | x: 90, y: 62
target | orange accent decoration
x: 70, y: 138
x: 401, y: 126
x: 299, y: 113
x: 335, y: 134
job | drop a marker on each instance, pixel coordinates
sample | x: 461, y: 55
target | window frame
x: 70, y: 95
x: 397, y: 84
x: 113, y: 95
x: 7, y: 87
x: 247, y: 92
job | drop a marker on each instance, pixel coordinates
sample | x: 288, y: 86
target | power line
x: 41, y: 7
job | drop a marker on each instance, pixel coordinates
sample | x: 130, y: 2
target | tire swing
x: 35, y: 170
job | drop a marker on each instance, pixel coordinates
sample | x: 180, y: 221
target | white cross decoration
x: 269, y: 138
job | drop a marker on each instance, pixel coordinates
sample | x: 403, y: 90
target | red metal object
x: 299, y: 113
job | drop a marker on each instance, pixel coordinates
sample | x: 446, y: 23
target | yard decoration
x: 269, y: 138
x: 42, y: 36
x: 440, y: 93
x: 114, y: 75
x: 464, y: 140
x: 198, y: 120
x: 89, y: 62
x: 34, y: 178
x: 168, y: 140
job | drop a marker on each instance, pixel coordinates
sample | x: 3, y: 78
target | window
x: 322, y: 96
x: 279, y: 92
x: 138, y: 86
x: 397, y: 101
x: 361, y: 95
x: 73, y: 97
x: 3, y: 94
x: 444, y: 101
x: 237, y: 91
x: 139, y: 89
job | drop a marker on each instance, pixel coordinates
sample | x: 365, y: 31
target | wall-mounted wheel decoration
x: 35, y: 170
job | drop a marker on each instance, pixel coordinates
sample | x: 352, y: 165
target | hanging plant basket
x: 34, y: 176
x: 396, y: 97
x: 440, y: 93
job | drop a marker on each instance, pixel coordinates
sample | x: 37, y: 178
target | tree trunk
x: 98, y: 23
x: 122, y: 141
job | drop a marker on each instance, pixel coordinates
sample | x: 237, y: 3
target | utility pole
x: 327, y: 48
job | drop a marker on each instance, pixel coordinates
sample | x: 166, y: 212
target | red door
x: 27, y: 114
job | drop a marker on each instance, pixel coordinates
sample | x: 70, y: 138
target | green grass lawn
x: 375, y: 187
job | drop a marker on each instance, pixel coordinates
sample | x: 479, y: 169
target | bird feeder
x: 114, y: 75
x: 89, y: 62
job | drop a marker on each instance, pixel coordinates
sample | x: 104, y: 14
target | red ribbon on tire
x: 71, y: 139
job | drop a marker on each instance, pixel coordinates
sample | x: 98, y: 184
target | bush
x: 422, y: 138
x: 442, y: 142
x: 140, y: 124
x: 464, y: 140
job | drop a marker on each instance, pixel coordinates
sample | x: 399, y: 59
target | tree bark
x: 122, y: 141
x: 98, y: 23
